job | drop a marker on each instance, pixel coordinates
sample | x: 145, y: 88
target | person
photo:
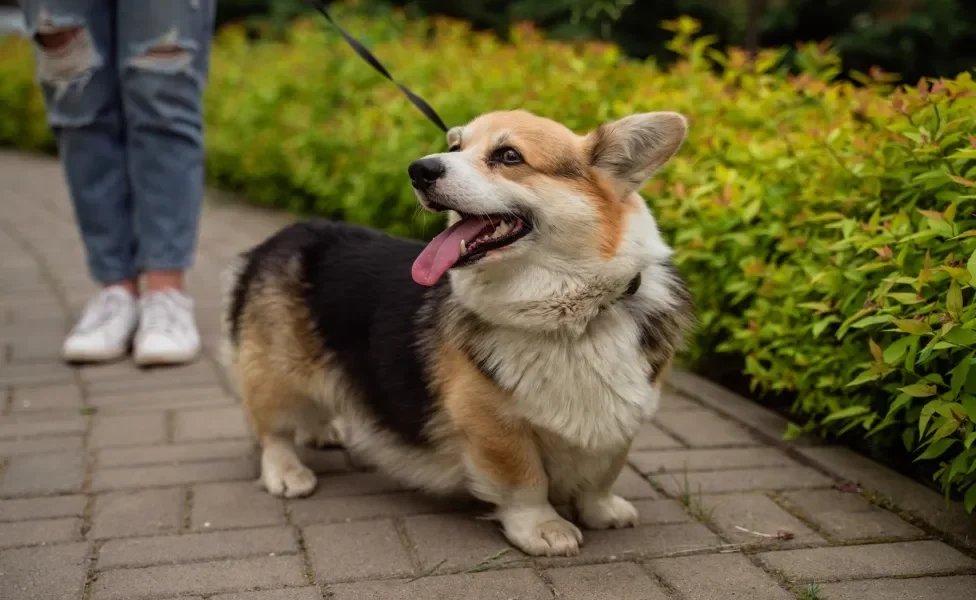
x: 123, y: 83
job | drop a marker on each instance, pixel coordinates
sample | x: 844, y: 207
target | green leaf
x: 866, y: 376
x: 970, y: 498
x: 970, y: 439
x: 936, y: 449
x: 919, y: 390
x: 897, y: 349
x: 912, y: 326
x: 959, y: 375
x: 960, y: 336
x: 969, y: 405
x: 910, y: 357
x: 954, y: 300
x: 900, y: 401
x: 846, y: 413
x: 908, y: 439
x: 971, y: 265
x: 872, y: 320
x: 925, y: 416
x: 945, y: 430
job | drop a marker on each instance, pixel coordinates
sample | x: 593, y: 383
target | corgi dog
x: 513, y: 357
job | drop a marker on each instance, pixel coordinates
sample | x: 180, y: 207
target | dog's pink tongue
x: 445, y: 250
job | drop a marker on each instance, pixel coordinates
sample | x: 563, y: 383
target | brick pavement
x: 121, y: 484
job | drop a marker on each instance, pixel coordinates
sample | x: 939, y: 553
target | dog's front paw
x: 607, y: 512
x: 553, y: 537
x: 289, y: 481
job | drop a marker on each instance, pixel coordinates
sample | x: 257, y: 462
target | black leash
x: 366, y: 55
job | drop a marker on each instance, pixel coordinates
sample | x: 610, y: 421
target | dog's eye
x: 455, y: 148
x: 507, y: 156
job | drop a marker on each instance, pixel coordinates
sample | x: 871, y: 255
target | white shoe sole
x: 94, y: 356
x: 152, y: 359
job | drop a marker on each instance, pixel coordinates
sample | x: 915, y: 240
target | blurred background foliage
x: 913, y: 38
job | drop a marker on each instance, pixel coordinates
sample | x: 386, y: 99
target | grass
x: 695, y: 504
x: 811, y: 591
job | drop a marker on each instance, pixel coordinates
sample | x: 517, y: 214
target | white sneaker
x: 105, y: 328
x: 167, y: 332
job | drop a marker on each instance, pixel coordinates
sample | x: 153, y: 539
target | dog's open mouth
x: 465, y: 243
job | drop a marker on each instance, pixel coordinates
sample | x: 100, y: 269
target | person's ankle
x: 161, y: 281
x: 129, y: 285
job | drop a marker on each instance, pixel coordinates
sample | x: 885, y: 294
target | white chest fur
x: 592, y: 391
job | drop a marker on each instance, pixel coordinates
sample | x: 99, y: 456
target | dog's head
x: 521, y: 188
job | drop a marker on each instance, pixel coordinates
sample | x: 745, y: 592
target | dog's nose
x: 425, y: 171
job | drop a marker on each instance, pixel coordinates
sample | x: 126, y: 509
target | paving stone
x: 705, y: 428
x: 34, y: 374
x: 42, y: 474
x: 325, y: 462
x: 189, y: 376
x: 922, y: 588
x: 196, y: 396
x: 632, y: 486
x: 210, y: 424
x: 32, y: 349
x: 174, y: 454
x: 22, y: 426
x: 758, y: 514
x: 45, y: 531
x: 726, y: 576
x: 708, y: 460
x: 211, y: 578
x: 651, y: 437
x: 318, y: 509
x: 194, y: 547
x: 128, y: 430
x: 167, y: 475
x: 43, y: 572
x: 639, y: 542
x: 521, y: 584
x: 351, y: 551
x: 908, y: 495
x: 672, y: 401
x: 875, y: 560
x: 742, y: 480
x: 356, y: 484
x: 661, y: 512
x: 306, y: 593
x: 66, y: 396
x: 457, y: 542
x: 624, y: 581
x: 127, y: 371
x: 144, y: 512
x: 44, y: 445
x: 235, y: 504
x: 850, y: 517
x: 22, y: 509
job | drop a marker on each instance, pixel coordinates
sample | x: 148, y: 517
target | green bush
x: 827, y: 229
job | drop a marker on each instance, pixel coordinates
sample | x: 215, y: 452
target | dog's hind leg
x: 274, y: 412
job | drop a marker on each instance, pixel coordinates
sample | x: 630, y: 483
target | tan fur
x: 501, y: 446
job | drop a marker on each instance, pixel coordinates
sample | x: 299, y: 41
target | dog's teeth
x: 464, y: 248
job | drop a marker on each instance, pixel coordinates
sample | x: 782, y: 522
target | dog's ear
x: 454, y: 138
x: 629, y: 151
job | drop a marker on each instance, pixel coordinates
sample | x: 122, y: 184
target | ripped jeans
x: 123, y: 83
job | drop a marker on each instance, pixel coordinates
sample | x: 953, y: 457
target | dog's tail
x: 230, y: 280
